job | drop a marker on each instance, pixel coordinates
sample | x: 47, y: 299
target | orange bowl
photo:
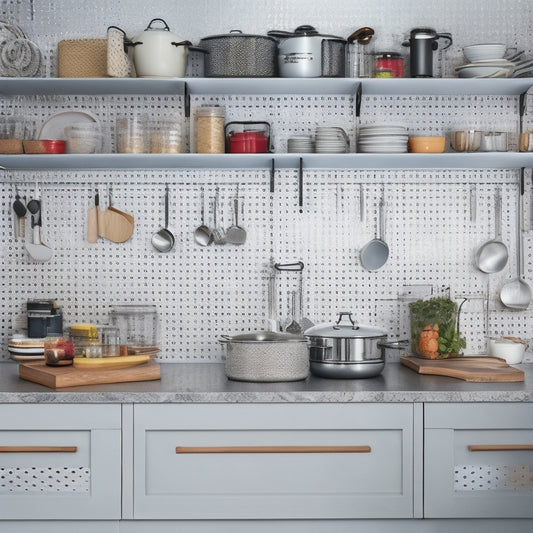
x: 426, y: 145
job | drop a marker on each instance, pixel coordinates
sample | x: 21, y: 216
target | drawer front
x: 60, y: 462
x: 262, y: 461
x: 484, y: 467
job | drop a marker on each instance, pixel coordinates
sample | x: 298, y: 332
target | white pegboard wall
x: 202, y: 293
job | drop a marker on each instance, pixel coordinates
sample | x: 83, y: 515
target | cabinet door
x: 60, y: 461
x: 273, y: 461
x: 478, y: 460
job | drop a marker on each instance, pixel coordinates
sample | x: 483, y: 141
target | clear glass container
x: 137, y: 324
x: 210, y: 135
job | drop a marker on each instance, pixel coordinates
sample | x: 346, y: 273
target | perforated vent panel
x: 486, y: 477
x: 44, y: 479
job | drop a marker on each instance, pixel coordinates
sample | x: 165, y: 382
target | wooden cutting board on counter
x: 57, y: 377
x: 475, y: 368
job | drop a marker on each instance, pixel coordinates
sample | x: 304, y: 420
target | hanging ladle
x: 492, y: 256
x: 375, y: 253
x: 163, y: 240
x: 202, y: 234
x: 516, y: 294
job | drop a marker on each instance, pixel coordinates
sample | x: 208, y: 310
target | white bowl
x: 479, y: 52
x: 511, y: 351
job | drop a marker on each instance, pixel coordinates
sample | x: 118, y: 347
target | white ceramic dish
x: 477, y: 52
x: 54, y: 127
x: 511, y: 351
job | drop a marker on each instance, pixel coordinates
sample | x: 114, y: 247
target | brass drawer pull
x: 499, y: 447
x: 273, y: 449
x: 38, y: 449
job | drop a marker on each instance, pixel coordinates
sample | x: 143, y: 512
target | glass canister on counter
x: 138, y: 326
x: 210, y: 137
x: 434, y: 329
x: 94, y: 340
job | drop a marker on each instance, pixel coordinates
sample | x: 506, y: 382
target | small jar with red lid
x: 388, y: 65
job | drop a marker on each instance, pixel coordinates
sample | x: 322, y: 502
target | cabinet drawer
x: 273, y: 461
x: 60, y: 461
x: 478, y: 461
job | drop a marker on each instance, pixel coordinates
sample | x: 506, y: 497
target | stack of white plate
x: 487, y: 68
x: 382, y: 139
x: 331, y: 140
x: 26, y: 349
x: 301, y: 144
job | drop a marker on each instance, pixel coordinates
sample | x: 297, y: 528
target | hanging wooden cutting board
x: 57, y: 377
x: 475, y: 368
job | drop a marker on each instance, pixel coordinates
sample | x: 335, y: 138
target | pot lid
x: 265, y: 336
x: 344, y: 328
x: 304, y: 31
x: 236, y: 34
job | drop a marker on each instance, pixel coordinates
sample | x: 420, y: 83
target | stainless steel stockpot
x: 346, y: 349
x: 305, y: 53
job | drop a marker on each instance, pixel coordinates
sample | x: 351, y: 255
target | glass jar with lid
x: 210, y: 135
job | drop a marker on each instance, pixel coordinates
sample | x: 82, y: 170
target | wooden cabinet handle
x: 273, y: 449
x: 499, y: 447
x: 38, y: 449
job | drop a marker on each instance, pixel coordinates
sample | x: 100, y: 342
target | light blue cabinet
x: 478, y: 460
x: 60, y: 462
x: 290, y: 461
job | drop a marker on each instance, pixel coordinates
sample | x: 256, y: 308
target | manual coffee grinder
x: 422, y: 43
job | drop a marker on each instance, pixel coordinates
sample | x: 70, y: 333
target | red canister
x: 247, y: 137
x: 388, y: 65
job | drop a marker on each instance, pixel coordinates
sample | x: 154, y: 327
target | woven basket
x: 82, y: 58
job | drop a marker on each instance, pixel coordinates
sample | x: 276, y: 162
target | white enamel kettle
x: 159, y: 53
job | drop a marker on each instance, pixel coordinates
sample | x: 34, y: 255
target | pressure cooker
x: 347, y: 350
x: 305, y: 53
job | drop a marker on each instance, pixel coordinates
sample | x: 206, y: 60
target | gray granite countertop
x: 207, y: 383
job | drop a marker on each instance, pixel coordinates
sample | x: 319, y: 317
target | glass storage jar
x: 137, y: 324
x: 210, y: 135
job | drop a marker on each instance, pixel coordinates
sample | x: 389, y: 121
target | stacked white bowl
x: 390, y: 139
x: 485, y: 61
x: 331, y: 140
x: 300, y: 144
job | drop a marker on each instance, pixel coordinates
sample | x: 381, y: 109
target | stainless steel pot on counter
x: 305, y: 53
x: 266, y: 356
x: 237, y: 54
x: 347, y: 350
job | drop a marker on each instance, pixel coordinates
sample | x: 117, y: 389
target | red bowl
x: 45, y: 146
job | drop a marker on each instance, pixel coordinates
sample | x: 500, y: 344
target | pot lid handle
x: 343, y: 314
x: 149, y: 27
x: 361, y: 36
x: 305, y: 30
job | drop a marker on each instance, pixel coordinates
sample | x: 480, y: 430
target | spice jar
x: 388, y: 65
x: 210, y: 130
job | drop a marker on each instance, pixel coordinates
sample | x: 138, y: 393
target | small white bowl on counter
x: 510, y: 349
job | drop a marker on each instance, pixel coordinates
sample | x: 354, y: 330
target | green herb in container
x: 434, y: 332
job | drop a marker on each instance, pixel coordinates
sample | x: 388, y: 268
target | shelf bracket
x: 186, y: 100
x: 272, y: 174
x: 301, y: 184
x: 358, y: 98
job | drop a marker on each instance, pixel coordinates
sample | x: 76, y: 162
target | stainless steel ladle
x: 163, y: 240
